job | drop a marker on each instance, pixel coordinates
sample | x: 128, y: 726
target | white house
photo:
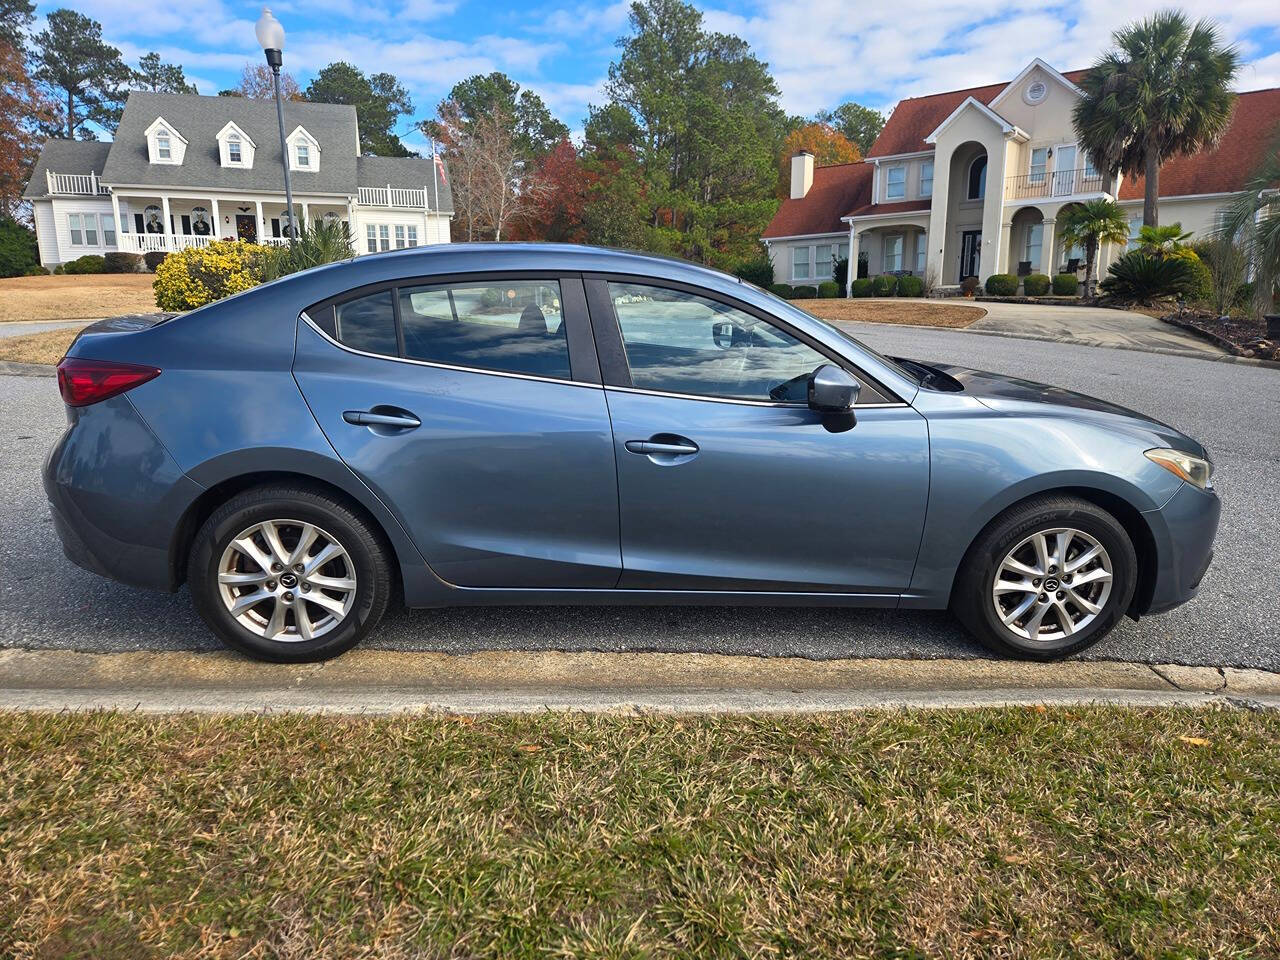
x: 971, y: 183
x: 185, y: 170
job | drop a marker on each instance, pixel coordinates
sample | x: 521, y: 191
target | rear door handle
x: 371, y: 418
x: 650, y: 447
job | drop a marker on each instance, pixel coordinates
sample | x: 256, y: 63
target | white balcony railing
x: 389, y: 196
x: 74, y: 184
x: 168, y: 242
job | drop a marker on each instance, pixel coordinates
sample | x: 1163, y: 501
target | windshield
x: 790, y: 307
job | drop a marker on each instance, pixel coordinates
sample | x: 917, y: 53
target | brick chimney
x: 801, y: 174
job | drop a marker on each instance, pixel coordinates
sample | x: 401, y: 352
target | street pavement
x: 45, y: 601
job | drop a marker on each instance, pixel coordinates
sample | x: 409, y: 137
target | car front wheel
x: 1046, y: 579
x: 289, y: 575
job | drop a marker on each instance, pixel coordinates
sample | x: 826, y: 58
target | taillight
x: 82, y: 382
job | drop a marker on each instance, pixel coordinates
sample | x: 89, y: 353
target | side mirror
x: 832, y: 390
x: 722, y: 334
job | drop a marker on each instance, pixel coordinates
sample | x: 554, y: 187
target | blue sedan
x: 546, y: 424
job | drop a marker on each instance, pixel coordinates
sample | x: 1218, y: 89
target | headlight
x: 1184, y: 466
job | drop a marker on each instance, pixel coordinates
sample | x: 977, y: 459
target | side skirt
x: 488, y: 596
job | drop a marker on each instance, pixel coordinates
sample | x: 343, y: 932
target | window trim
x: 617, y: 372
x: 889, y: 183
x: 968, y: 180
x: 923, y: 179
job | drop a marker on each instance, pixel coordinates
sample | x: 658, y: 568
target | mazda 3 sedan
x: 544, y: 424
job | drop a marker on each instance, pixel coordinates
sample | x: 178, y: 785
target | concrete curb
x: 376, y: 681
x: 10, y: 369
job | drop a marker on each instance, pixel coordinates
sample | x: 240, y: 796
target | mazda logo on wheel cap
x: 288, y: 580
x: 1050, y: 585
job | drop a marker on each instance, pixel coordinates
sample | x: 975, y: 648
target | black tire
x: 971, y: 597
x: 375, y: 581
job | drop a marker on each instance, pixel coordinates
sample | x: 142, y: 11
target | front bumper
x: 1183, y: 530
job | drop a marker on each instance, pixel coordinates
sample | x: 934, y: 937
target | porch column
x: 1048, y: 247
x: 852, y: 272
x: 262, y: 226
x: 115, y: 212
x: 306, y: 220
x: 922, y: 243
x: 217, y: 218
x: 1006, y: 234
x: 169, y: 231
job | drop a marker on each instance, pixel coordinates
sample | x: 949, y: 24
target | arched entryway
x: 1026, y: 243
x: 962, y: 255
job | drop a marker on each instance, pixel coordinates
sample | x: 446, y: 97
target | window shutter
x: 275, y: 226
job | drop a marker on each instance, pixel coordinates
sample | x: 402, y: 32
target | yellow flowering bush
x: 193, y: 277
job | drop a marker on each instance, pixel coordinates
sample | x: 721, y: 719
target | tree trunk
x: 1150, y: 201
x: 1090, y: 257
x: 71, y: 116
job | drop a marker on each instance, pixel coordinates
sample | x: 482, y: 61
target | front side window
x: 163, y: 148
x: 368, y: 324
x: 679, y: 342
x: 897, y: 183
x: 978, y: 179
x: 233, y: 148
x: 304, y: 155
x: 822, y: 262
x: 1039, y: 164
x: 800, y: 263
x: 515, y: 327
x: 893, y: 253
x: 926, y: 179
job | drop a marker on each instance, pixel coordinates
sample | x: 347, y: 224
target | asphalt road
x: 45, y: 601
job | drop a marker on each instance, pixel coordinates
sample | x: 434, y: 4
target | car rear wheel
x: 289, y: 575
x: 1046, y: 579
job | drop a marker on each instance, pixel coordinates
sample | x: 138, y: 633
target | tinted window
x: 515, y: 327
x: 368, y: 324
x: 682, y: 343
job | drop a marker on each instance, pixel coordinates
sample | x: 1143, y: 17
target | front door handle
x: 663, y: 445
x: 372, y: 418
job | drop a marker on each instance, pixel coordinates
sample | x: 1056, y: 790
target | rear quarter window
x: 368, y: 324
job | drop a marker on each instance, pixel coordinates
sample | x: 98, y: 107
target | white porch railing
x: 390, y: 196
x: 74, y: 184
x: 168, y: 242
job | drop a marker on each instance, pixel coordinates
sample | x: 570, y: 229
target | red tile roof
x: 836, y: 190
x: 1254, y: 127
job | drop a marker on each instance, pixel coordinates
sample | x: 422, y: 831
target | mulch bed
x: 1243, y: 336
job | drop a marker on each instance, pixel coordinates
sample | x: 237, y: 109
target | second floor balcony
x: 74, y: 184
x: 1078, y: 182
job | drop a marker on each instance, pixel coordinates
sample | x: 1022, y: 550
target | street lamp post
x: 271, y: 37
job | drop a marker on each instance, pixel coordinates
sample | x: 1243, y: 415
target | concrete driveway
x: 47, y: 602
x: 1098, y: 326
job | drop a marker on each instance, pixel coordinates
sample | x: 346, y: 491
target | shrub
x: 18, y: 250
x: 758, y: 271
x: 123, y: 262
x: 782, y: 290
x: 1066, y: 285
x: 1139, y: 278
x: 828, y: 289
x: 1035, y: 285
x: 969, y: 286
x: 840, y: 272
x: 320, y: 243
x: 35, y: 271
x: 884, y: 284
x: 804, y: 293
x: 89, y: 263
x: 153, y: 259
x: 193, y: 277
x: 910, y: 287
x: 1001, y: 285
x: 861, y: 287
x: 1200, y: 281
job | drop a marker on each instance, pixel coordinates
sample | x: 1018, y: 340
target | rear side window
x: 368, y: 324
x: 515, y: 327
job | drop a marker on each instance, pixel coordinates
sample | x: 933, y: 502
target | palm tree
x: 1161, y: 241
x: 1089, y: 225
x: 1252, y: 221
x: 1165, y: 90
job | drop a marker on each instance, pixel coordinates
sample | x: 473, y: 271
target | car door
x: 473, y: 408
x: 726, y: 479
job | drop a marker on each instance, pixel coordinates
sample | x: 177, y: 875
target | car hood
x: 1013, y: 395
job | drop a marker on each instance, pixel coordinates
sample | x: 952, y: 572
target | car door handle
x: 371, y: 418
x: 684, y: 448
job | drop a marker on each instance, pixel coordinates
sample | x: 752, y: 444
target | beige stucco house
x: 971, y: 183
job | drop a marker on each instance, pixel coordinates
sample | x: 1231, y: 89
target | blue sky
x: 821, y: 52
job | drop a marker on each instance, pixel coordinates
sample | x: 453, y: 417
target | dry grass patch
x: 76, y: 297
x: 47, y: 347
x: 1012, y: 833
x: 920, y: 312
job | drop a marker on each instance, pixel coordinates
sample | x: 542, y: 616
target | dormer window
x: 164, y: 143
x: 164, y: 149
x: 304, y: 151
x: 304, y: 155
x: 233, y: 149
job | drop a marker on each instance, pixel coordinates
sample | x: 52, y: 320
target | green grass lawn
x: 1010, y: 833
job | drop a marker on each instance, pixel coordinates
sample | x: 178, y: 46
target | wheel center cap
x: 1050, y: 585
x: 288, y: 580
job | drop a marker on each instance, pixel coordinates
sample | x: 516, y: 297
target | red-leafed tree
x: 23, y: 110
x: 556, y: 212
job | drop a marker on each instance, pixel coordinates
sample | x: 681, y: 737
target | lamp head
x: 270, y: 33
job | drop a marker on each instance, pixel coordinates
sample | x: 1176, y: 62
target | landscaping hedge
x: 861, y: 287
x: 123, y: 262
x: 1066, y: 285
x: 1001, y: 285
x: 828, y: 289
x: 884, y: 284
x: 782, y: 290
x: 910, y: 287
x: 758, y: 271
x: 154, y: 259
x: 89, y: 263
x: 969, y: 286
x: 18, y: 251
x: 198, y: 275
x: 804, y: 293
x: 1036, y: 285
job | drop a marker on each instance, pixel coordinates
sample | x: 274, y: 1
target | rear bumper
x: 116, y: 496
x: 1183, y: 530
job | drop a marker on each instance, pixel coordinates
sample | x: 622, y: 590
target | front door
x: 460, y: 406
x: 726, y: 479
x: 247, y: 227
x: 970, y: 252
x: 1064, y: 170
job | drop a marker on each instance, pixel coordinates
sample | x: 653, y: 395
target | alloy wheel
x: 1052, y: 585
x: 287, y: 580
